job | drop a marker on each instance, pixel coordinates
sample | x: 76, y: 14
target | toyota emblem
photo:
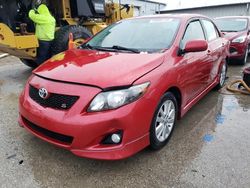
x: 43, y: 93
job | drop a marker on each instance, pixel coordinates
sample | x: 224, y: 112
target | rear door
x: 215, y: 49
x: 194, y: 64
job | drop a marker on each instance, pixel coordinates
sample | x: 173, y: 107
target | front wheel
x: 164, y: 121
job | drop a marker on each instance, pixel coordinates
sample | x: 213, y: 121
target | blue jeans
x: 43, y: 51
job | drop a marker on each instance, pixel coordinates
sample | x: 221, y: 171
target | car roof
x: 180, y: 16
x: 225, y: 17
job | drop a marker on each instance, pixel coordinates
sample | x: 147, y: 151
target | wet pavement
x: 210, y: 147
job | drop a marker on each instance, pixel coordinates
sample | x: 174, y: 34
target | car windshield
x: 231, y: 24
x: 137, y: 35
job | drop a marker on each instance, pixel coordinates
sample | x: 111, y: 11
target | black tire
x: 224, y: 77
x: 61, y: 40
x: 29, y: 63
x: 155, y: 143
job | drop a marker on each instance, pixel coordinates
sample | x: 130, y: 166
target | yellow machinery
x: 18, y: 40
x: 22, y: 46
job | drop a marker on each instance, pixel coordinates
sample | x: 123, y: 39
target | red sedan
x: 237, y: 30
x: 124, y: 89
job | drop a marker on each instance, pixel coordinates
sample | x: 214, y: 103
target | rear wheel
x: 60, y: 44
x: 223, y: 76
x: 164, y: 121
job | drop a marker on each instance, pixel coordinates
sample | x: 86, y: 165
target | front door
x: 194, y: 65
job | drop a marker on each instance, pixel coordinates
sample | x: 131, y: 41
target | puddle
x: 220, y: 119
x: 208, y: 138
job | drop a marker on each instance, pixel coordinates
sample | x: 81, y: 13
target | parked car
x: 124, y: 89
x: 237, y: 30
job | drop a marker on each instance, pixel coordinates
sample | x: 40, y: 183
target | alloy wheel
x: 165, y: 120
x: 223, y: 74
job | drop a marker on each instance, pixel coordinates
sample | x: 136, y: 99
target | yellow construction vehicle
x: 82, y: 18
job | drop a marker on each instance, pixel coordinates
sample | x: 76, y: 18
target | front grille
x: 56, y: 101
x: 56, y: 136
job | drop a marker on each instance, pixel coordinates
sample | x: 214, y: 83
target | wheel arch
x: 178, y: 95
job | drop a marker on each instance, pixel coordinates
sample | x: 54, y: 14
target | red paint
x: 239, y: 48
x: 196, y: 46
x: 103, y: 69
x: 193, y: 74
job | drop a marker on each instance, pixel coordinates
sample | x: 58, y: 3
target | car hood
x: 98, y: 68
x: 233, y: 35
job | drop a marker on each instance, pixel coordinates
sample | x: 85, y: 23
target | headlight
x: 240, y: 39
x: 115, y: 99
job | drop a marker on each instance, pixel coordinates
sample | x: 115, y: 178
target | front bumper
x: 237, y: 50
x: 87, y: 130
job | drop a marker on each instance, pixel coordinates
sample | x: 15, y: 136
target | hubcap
x: 165, y: 120
x: 223, y: 75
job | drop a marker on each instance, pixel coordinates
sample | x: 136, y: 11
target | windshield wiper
x: 113, y: 48
x: 98, y: 48
x: 116, y: 47
x: 85, y: 46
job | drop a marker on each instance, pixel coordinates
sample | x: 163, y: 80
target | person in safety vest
x: 45, y: 30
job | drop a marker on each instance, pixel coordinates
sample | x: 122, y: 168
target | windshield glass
x: 232, y: 24
x: 144, y: 35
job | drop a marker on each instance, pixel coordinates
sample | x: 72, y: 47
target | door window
x: 194, y: 31
x: 210, y: 30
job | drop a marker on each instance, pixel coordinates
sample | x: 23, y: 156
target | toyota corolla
x: 124, y: 89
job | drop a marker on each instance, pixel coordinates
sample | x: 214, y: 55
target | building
x: 239, y: 8
x: 143, y: 7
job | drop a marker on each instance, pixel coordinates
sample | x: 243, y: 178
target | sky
x: 175, y: 4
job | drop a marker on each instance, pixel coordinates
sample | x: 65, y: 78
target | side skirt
x: 198, y: 97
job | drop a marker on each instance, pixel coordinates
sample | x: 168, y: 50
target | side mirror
x: 196, y: 46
